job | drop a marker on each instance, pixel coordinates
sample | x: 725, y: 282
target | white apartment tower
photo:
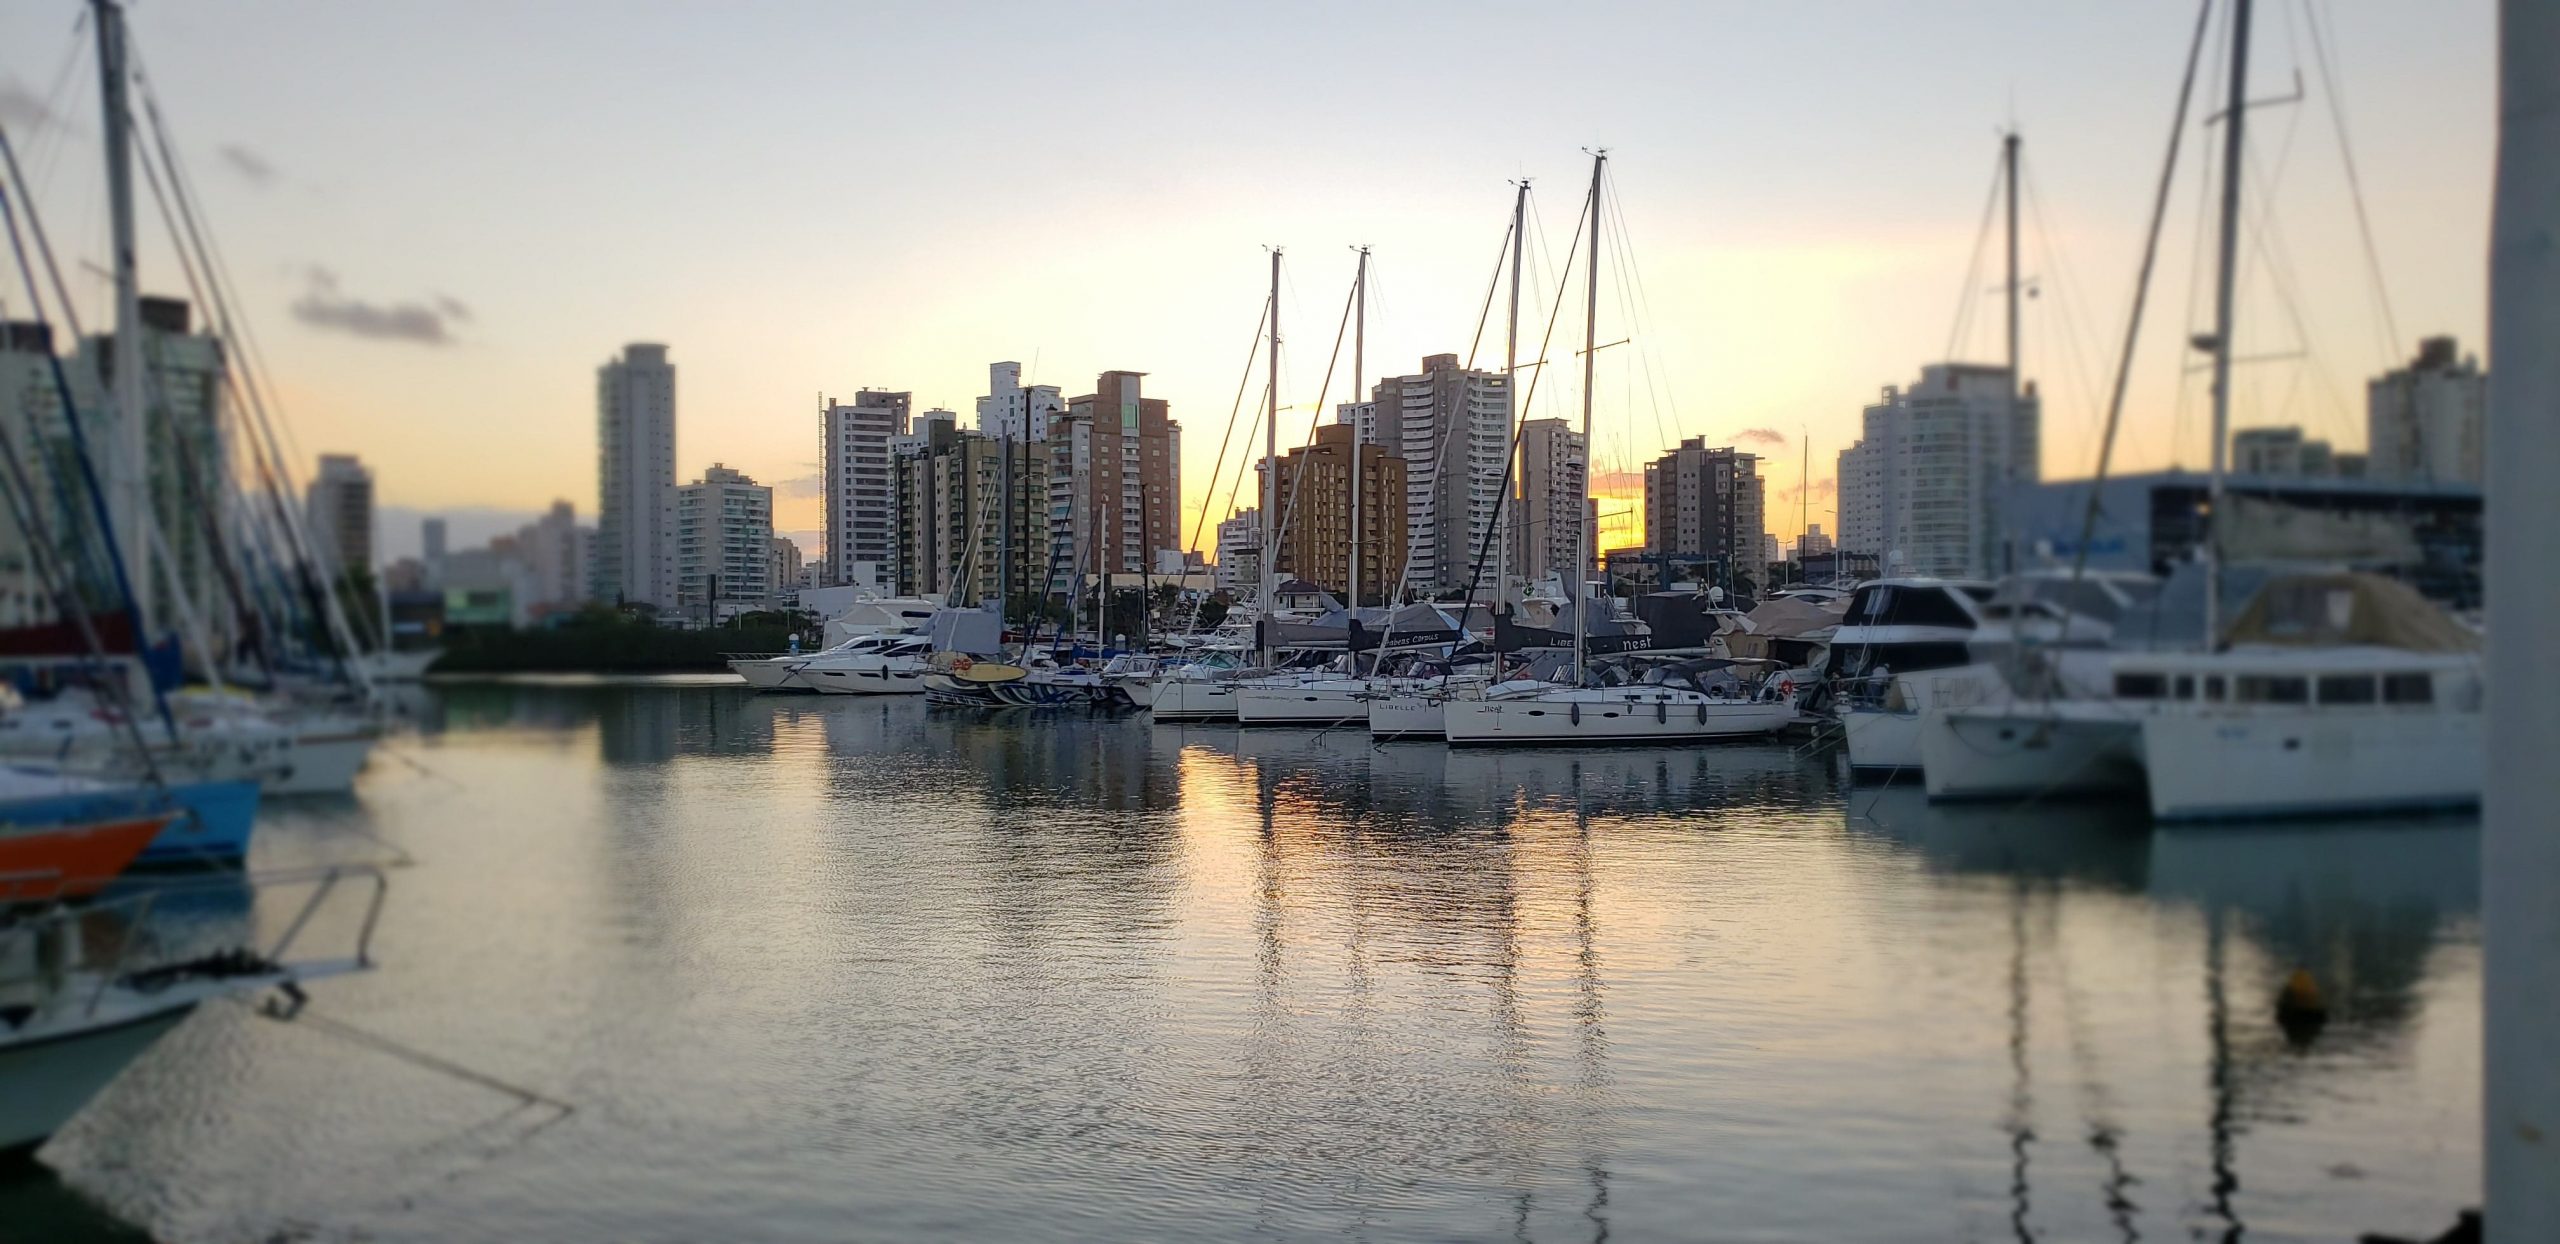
x: 635, y: 560
x: 338, y: 510
x: 1551, y: 502
x: 862, y: 517
x: 1452, y: 427
x: 1926, y: 488
x: 1240, y: 551
x: 1010, y: 410
x: 2426, y: 423
x: 724, y: 539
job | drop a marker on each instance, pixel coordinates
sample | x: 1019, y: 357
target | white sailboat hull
x: 1408, y: 715
x: 2030, y: 751
x: 324, y: 762
x: 1307, y: 704
x: 1881, y: 743
x: 2218, y: 766
x: 397, y: 666
x: 1633, y: 715
x: 1186, y: 699
x: 47, y: 1080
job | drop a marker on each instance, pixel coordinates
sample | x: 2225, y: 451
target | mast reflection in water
x: 812, y: 969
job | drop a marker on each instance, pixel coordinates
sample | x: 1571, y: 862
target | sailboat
x: 1657, y: 701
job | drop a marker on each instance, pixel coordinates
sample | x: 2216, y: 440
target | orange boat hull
x: 72, y: 861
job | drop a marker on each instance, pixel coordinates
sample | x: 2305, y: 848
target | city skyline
x: 1803, y: 240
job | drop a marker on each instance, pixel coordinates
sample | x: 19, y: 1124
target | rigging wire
x: 1969, y: 297
x: 1640, y: 326
x: 2334, y: 96
x: 1218, y: 470
x: 2141, y: 293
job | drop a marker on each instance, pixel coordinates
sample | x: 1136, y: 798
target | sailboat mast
x: 2007, y: 440
x: 131, y: 479
x: 1510, y: 395
x: 1590, y: 358
x: 1359, y: 368
x: 1271, y: 467
x: 2226, y: 269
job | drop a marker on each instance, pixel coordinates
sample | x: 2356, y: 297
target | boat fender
x: 1577, y: 714
x: 1702, y: 712
x: 1661, y: 712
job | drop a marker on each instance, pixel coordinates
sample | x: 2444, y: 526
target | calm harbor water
x: 849, y: 969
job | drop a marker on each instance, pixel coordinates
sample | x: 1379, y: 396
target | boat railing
x: 135, y: 945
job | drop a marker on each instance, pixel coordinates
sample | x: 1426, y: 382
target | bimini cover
x: 2334, y: 609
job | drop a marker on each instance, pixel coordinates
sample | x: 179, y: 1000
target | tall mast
x: 1271, y: 468
x: 131, y: 479
x: 1590, y: 357
x: 1359, y: 368
x: 2227, y: 264
x: 1511, y: 394
x: 2008, y: 438
x: 1804, y: 508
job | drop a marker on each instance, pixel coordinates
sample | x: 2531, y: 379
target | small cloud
x: 249, y: 164
x: 1819, y: 488
x: 1766, y: 436
x: 322, y: 306
x: 801, y: 486
x: 25, y: 115
x: 454, y: 308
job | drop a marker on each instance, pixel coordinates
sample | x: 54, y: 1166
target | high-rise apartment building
x: 1010, y: 409
x: 724, y: 539
x: 1925, y: 489
x: 1452, y: 427
x: 556, y: 551
x: 787, y: 564
x: 635, y: 561
x: 2427, y: 423
x: 28, y: 402
x: 963, y: 509
x: 338, y: 511
x: 1316, y: 493
x: 862, y: 520
x: 1552, y: 498
x: 1240, y: 552
x: 1115, y: 482
x: 1707, y: 504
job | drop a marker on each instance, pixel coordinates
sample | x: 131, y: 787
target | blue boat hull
x: 214, y: 831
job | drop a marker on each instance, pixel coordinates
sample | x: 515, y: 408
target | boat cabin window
x: 1908, y: 606
x: 2408, y: 689
x: 2346, y: 689
x: 2186, y: 685
x: 2141, y: 686
x: 2214, y: 688
x: 2274, y: 689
